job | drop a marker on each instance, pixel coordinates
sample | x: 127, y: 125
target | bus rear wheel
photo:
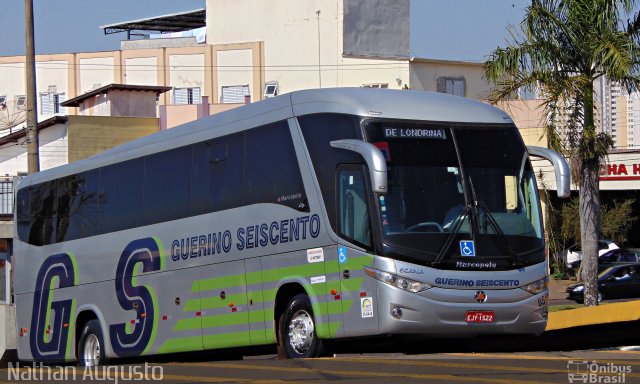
x: 297, y: 332
x: 91, y: 345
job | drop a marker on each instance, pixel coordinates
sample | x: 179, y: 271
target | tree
x: 563, y: 47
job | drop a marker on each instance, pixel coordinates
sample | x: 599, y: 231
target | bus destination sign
x: 415, y: 133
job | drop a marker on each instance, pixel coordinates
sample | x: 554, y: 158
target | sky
x: 467, y: 30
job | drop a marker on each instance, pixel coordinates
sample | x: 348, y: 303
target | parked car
x: 574, y: 254
x: 614, y: 257
x: 620, y: 281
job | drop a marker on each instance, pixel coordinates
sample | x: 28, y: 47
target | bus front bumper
x: 448, y: 312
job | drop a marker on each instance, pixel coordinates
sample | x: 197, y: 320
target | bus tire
x: 296, y: 329
x: 91, y: 345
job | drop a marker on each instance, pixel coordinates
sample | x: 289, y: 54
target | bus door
x: 180, y: 321
x: 354, y: 227
x: 255, y: 301
x: 224, y: 306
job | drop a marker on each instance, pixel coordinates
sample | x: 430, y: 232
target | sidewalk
x: 557, y: 288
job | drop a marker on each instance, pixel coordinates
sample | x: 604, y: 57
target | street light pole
x: 33, y: 157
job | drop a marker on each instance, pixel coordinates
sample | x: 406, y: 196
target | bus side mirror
x: 374, y: 158
x: 560, y: 166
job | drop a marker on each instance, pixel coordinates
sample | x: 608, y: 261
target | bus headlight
x: 537, y: 286
x: 397, y: 281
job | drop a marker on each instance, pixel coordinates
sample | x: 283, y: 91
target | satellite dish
x: 11, y: 115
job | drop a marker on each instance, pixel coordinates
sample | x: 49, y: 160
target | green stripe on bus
x: 183, y: 344
x: 225, y: 319
x: 216, y: 302
x: 163, y: 261
x: 217, y: 283
x: 277, y: 274
x: 304, y: 270
x: 352, y: 285
x: 71, y: 336
x: 76, y: 276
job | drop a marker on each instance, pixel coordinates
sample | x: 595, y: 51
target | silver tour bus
x: 315, y: 215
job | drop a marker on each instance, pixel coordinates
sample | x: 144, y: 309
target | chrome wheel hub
x: 301, y: 332
x: 91, y: 351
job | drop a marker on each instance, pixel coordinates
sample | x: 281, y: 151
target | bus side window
x: 77, y: 206
x: 271, y: 171
x: 166, y: 185
x: 120, y: 199
x: 24, y: 214
x: 352, y: 205
x: 43, y: 208
x: 216, y: 181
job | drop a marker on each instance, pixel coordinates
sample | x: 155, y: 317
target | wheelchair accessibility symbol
x: 467, y: 248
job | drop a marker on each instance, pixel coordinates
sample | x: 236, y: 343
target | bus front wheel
x: 297, y: 332
x: 91, y: 345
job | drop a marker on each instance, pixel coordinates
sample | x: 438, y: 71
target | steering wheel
x: 428, y: 226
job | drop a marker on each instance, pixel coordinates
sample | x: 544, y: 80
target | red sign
x: 480, y: 317
x: 619, y: 171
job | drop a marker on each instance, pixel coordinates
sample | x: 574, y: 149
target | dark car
x: 620, y: 281
x: 614, y: 257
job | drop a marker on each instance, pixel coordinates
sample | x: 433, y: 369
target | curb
x: 597, y: 315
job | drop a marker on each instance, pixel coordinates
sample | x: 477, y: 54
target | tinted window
x: 77, y: 206
x: 353, y: 207
x: 120, y: 196
x: 318, y: 131
x: 167, y: 185
x: 609, y: 257
x: 23, y: 214
x: 627, y: 256
x: 216, y: 182
x: 271, y: 168
x: 43, y: 206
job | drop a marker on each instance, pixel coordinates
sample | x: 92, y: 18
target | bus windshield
x: 448, y: 184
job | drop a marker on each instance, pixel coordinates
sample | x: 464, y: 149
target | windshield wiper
x: 500, y: 240
x: 456, y: 224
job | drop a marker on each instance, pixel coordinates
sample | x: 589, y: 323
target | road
x: 602, y: 366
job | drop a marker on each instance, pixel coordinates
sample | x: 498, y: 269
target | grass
x: 557, y: 308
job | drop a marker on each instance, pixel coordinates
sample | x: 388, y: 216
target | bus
x: 308, y: 217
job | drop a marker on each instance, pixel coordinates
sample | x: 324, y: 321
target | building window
x: 6, y: 196
x: 3, y: 99
x: 271, y: 89
x: 186, y: 95
x: 451, y: 85
x: 21, y: 102
x: 376, y: 85
x: 234, y: 94
x: 50, y: 103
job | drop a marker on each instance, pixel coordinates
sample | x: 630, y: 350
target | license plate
x: 480, y: 316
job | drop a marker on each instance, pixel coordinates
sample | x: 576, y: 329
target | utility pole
x: 33, y: 146
x: 319, y: 65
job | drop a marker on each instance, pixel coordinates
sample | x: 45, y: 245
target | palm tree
x: 563, y: 47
